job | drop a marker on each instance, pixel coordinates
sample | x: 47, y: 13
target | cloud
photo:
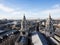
x: 56, y: 6
x: 6, y: 9
x: 11, y: 10
x: 55, y: 12
x: 16, y: 13
x: 2, y: 16
x: 52, y: 11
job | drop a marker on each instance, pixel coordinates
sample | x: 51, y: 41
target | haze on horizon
x: 33, y: 9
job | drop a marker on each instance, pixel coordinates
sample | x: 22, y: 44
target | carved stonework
x: 24, y: 23
x: 49, y: 27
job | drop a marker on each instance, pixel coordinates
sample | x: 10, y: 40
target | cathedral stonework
x: 24, y: 23
x: 49, y: 27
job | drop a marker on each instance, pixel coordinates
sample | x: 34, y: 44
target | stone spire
x: 23, y: 23
x: 24, y: 18
x: 49, y: 26
x: 49, y: 15
x: 49, y: 20
x: 24, y: 28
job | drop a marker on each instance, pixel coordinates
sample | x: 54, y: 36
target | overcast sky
x: 15, y: 9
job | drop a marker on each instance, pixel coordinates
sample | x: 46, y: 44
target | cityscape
x: 28, y: 25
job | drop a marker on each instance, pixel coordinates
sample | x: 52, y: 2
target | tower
x: 49, y: 27
x: 24, y: 28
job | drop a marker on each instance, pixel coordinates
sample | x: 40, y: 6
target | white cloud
x: 45, y: 13
x: 16, y: 13
x: 2, y: 16
x: 56, y: 6
x: 11, y: 10
x: 6, y: 9
x: 52, y: 11
x: 55, y: 10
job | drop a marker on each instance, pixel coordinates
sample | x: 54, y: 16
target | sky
x: 33, y: 9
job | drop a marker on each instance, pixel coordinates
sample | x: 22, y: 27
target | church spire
x: 23, y: 23
x: 24, y: 18
x: 49, y: 26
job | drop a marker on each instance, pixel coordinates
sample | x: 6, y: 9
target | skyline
x: 15, y: 9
